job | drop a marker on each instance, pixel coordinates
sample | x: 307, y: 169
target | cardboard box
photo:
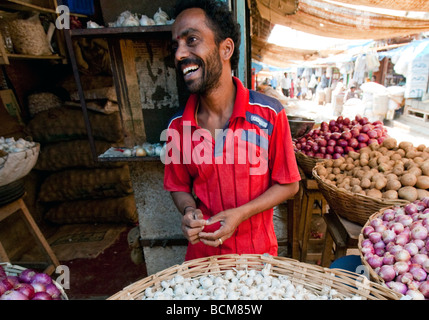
x: 9, y: 102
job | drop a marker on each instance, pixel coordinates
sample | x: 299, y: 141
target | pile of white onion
x: 240, y: 285
x: 10, y: 145
x: 396, y: 247
x: 337, y: 138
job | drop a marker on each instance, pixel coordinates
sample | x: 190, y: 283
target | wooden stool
x: 19, y: 206
x: 342, y: 232
x: 311, y: 197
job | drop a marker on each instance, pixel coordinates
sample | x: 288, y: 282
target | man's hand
x: 229, y: 221
x: 192, y: 224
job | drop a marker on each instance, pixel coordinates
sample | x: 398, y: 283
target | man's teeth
x: 189, y: 69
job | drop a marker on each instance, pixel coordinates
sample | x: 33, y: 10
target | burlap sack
x: 106, y: 210
x: 72, y: 154
x: 64, y: 124
x: 79, y: 184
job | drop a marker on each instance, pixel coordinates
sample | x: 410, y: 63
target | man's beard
x: 211, y: 72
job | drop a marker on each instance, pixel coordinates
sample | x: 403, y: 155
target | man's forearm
x: 183, y: 200
x: 273, y: 196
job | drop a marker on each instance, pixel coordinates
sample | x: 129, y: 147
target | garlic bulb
x: 10, y: 145
x: 160, y: 17
x: 146, y: 21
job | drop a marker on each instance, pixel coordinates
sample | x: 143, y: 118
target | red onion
x: 335, y: 136
x: 367, y: 230
x: 406, y: 278
x: 354, y: 143
x: 425, y: 200
x: 53, y: 291
x: 415, y: 295
x: 38, y: 287
x: 402, y: 239
x: 346, y: 135
x: 42, y: 296
x: 367, y: 249
x: 376, y: 222
x: 405, y: 220
x: 410, y: 208
x: 388, y: 259
x: 411, y: 248
x: 397, y: 286
x: 419, y: 243
x: 42, y: 278
x: 387, y: 273
x: 25, y: 288
x: 402, y: 255
x: 418, y: 273
x: 27, y: 275
x: 362, y: 137
x: 419, y: 258
x: 424, y: 288
x: 395, y: 248
x: 397, y: 227
x: 374, y: 237
x: 388, y: 215
x: 375, y: 261
x: 419, y: 232
x: 401, y: 267
x: 13, y: 295
x: 388, y: 236
x: 425, y: 265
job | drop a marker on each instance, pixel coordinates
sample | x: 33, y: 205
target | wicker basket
x: 14, y: 270
x: 313, y: 277
x: 354, y: 207
x: 18, y: 165
x: 306, y: 163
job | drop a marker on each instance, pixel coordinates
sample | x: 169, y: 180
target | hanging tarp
x: 332, y: 20
x: 406, y: 5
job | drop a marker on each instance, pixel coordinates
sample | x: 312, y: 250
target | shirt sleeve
x: 281, y: 156
x: 176, y: 175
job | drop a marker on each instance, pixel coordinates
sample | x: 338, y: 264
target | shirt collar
x: 240, y: 104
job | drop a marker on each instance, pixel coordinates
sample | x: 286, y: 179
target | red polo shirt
x: 252, y: 152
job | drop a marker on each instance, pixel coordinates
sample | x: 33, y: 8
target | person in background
x: 285, y: 84
x: 303, y: 88
x: 324, y: 81
x: 351, y: 93
x: 312, y: 84
x: 226, y: 204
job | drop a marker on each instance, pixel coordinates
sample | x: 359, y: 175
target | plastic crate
x: 80, y: 6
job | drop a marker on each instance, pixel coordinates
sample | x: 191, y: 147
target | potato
x: 389, y: 143
x: 374, y: 193
x: 353, y: 155
x: 415, y: 170
x: 390, y: 194
x: 356, y: 189
x: 393, y: 184
x: 405, y: 145
x: 321, y: 171
x: 421, y: 147
x: 408, y: 193
x: 425, y: 168
x: 398, y: 170
x: 408, y: 179
x: 422, y: 194
x: 365, y: 183
x: 422, y: 182
x: 380, y: 183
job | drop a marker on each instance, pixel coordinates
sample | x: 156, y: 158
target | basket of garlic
x: 254, y: 277
x: 17, y: 158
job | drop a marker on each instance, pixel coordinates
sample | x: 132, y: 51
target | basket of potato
x: 377, y: 176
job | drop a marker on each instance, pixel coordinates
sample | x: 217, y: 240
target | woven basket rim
x: 355, y: 199
x: 13, y: 269
x: 341, y: 280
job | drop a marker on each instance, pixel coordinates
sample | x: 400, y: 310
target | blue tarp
x: 258, y: 66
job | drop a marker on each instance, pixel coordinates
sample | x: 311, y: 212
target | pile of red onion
x: 338, y: 137
x: 395, y: 244
x: 29, y: 285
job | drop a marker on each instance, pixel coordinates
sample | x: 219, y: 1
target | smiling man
x: 226, y: 199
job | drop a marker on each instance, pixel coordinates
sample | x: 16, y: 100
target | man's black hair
x: 222, y: 21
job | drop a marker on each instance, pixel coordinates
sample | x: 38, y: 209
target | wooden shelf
x: 28, y: 56
x: 129, y: 159
x: 119, y: 31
